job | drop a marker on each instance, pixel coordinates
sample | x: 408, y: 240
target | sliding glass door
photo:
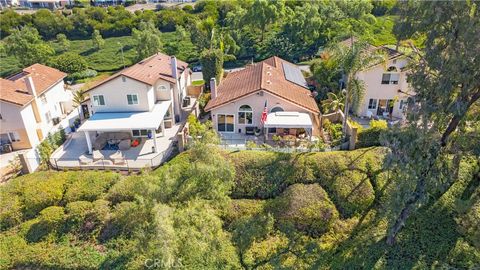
x: 225, y: 122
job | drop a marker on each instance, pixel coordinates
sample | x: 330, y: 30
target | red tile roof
x: 268, y: 76
x: 14, y: 90
x: 149, y: 70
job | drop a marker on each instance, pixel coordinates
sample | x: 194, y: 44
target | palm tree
x: 353, y: 58
x: 334, y: 102
x: 78, y: 99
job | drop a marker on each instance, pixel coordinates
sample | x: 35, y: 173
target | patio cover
x: 288, y: 120
x: 117, y: 121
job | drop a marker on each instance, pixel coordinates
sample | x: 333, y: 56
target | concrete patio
x: 74, y: 153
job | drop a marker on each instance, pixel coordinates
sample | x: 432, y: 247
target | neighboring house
x: 140, y: 101
x: 8, y: 3
x: 31, y: 103
x: 50, y: 4
x: 386, y: 87
x: 237, y: 103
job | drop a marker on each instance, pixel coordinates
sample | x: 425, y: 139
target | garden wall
x: 338, y: 117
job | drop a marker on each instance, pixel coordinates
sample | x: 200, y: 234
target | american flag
x: 264, y: 114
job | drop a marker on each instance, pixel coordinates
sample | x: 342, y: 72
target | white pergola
x: 289, y: 120
x: 122, y: 121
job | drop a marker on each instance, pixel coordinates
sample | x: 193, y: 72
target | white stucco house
x: 386, y: 87
x: 31, y: 104
x: 140, y: 103
x: 275, y: 86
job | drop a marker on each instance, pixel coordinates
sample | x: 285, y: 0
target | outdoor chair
x: 97, y: 155
x: 118, y: 158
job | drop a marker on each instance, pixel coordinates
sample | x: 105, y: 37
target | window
x: 403, y: 104
x: 162, y: 88
x: 390, y: 78
x: 43, y: 98
x: 14, y: 137
x: 225, y: 122
x: 140, y: 133
x: 245, y: 115
x: 48, y: 116
x: 1, y: 117
x: 372, y: 104
x: 132, y: 99
x: 276, y: 109
x: 98, y: 100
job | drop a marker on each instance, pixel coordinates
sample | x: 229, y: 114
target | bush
x: 10, y: 210
x: 127, y: 188
x: 69, y: 62
x: 90, y: 186
x: 40, y: 193
x: 469, y: 224
x: 87, y: 73
x: 50, y: 220
x: 85, y: 217
x: 371, y: 136
x: 306, y: 207
x: 242, y: 208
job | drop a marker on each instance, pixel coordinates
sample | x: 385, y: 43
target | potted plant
x: 77, y: 122
x: 72, y: 128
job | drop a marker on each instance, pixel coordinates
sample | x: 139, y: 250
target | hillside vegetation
x: 207, y: 209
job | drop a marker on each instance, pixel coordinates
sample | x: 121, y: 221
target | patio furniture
x: 110, y: 138
x: 118, y: 158
x: 124, y: 145
x: 97, y: 155
x: 83, y: 160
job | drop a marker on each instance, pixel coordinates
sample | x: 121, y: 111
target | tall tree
x: 445, y: 78
x: 147, y: 38
x: 97, y: 40
x: 212, y: 64
x: 263, y: 13
x: 27, y: 46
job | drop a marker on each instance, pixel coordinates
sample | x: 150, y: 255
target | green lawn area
x: 109, y: 58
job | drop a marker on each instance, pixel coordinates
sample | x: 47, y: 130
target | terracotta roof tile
x: 149, y: 70
x: 14, y: 90
x: 268, y: 76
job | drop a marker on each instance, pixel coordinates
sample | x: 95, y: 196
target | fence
x: 270, y: 145
x: 122, y: 164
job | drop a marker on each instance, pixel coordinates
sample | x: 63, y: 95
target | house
x: 138, y: 103
x: 386, y: 87
x: 274, y: 86
x: 31, y: 104
x: 50, y: 4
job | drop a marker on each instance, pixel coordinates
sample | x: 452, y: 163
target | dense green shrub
x: 371, y: 136
x: 10, y: 210
x: 51, y: 219
x: 87, y: 73
x: 469, y: 224
x: 242, y: 208
x: 212, y: 65
x: 90, y: 186
x: 69, y: 62
x: 41, y: 193
x: 87, y: 218
x: 127, y: 188
x: 306, y: 207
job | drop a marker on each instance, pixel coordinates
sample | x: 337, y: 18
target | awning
x: 288, y: 120
x: 118, y: 121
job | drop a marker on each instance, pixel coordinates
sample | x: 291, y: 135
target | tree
x: 212, y: 64
x: 69, y: 62
x: 78, y: 99
x: 97, y: 40
x: 334, y: 102
x: 147, y: 38
x: 63, y: 41
x: 28, y: 47
x: 263, y: 13
x: 445, y: 78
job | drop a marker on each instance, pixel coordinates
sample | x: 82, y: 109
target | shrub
x: 87, y: 73
x: 50, y: 220
x: 86, y: 217
x: 40, y: 193
x: 371, y: 136
x: 10, y: 210
x: 306, y: 207
x: 90, y: 186
x: 469, y: 224
x: 242, y: 208
x: 69, y: 62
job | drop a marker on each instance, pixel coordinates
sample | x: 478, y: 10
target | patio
x: 74, y: 153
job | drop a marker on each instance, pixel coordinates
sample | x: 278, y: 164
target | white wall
x: 115, y: 94
x: 374, y: 89
x: 31, y: 125
x: 54, y: 96
x: 257, y: 103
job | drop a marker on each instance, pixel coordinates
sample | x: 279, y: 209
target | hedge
x: 90, y: 186
x: 306, y: 207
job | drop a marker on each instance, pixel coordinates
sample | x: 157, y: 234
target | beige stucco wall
x: 257, y: 102
x: 374, y: 89
x: 21, y: 120
x: 54, y: 96
x: 115, y: 94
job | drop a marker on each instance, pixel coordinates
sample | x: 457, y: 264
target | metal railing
x: 111, y: 163
x: 270, y: 145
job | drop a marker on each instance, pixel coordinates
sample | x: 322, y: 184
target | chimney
x: 213, y: 88
x: 30, y: 86
x: 173, y: 63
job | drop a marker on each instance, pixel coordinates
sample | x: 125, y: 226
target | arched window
x: 162, y: 88
x: 276, y: 109
x: 245, y: 115
x: 392, y: 69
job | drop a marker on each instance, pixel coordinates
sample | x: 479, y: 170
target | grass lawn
x: 109, y: 58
